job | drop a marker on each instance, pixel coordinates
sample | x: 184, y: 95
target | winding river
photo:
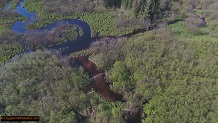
x: 68, y: 46
x: 98, y: 78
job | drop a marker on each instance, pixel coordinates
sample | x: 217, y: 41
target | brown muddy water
x: 101, y: 84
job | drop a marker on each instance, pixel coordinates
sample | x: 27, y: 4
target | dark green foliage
x: 141, y: 9
x: 173, y: 76
x: 42, y: 83
x: 112, y: 49
x: 193, y: 100
x: 9, y: 46
x: 112, y: 3
x: 80, y: 53
x: 3, y: 3
x: 120, y: 75
x: 105, y: 24
x: 106, y: 112
x: 14, y: 3
x: 154, y: 9
x: 7, y: 19
x: 126, y: 4
x: 102, y: 22
x: 169, y: 73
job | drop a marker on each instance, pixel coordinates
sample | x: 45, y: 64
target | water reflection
x: 66, y: 47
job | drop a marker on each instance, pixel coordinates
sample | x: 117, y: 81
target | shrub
x: 192, y: 25
x: 48, y: 38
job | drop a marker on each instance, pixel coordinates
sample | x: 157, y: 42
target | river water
x: 67, y: 47
x: 98, y: 84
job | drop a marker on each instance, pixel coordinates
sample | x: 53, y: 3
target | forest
x: 149, y: 61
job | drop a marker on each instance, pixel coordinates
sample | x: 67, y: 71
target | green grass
x: 179, y: 29
x: 9, y: 45
x: 102, y: 22
x: 7, y: 19
x: 8, y: 40
x: 206, y: 33
x: 9, y: 50
x: 69, y: 32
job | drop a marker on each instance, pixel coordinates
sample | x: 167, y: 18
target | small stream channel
x: 68, y: 46
x: 101, y: 84
x: 97, y: 76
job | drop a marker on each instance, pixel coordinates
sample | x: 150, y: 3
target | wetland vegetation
x: 167, y: 74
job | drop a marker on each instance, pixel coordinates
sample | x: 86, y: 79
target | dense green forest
x: 167, y: 73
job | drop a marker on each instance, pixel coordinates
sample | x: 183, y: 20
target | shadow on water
x: 99, y: 81
x: 70, y: 46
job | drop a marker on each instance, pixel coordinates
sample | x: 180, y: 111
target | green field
x: 167, y: 74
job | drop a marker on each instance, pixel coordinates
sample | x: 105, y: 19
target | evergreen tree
x: 154, y: 9
x: 126, y: 4
x: 141, y: 8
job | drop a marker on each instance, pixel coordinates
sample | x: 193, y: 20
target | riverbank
x: 103, y: 22
x: 100, y: 83
x: 144, y: 76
